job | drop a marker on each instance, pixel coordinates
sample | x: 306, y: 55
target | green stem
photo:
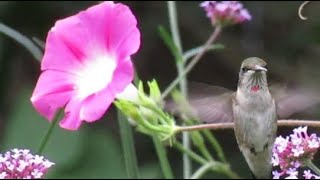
x: 23, y: 40
x: 39, y: 42
x: 215, y: 144
x: 203, y: 149
x: 194, y: 51
x: 193, y: 62
x: 174, y: 25
x: 198, y: 141
x: 187, y: 166
x: 128, y: 147
x: 202, y: 170
x: 218, y: 167
x: 190, y: 153
x: 49, y: 132
x: 163, y: 158
x: 313, y: 167
x: 150, y: 126
x: 225, y: 169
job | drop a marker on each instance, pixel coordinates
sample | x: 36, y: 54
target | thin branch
x: 221, y: 126
x: 297, y: 122
x: 193, y: 62
x: 215, y: 126
x: 301, y: 8
x: 23, y: 40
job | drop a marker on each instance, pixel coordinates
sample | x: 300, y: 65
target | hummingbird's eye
x: 244, y: 69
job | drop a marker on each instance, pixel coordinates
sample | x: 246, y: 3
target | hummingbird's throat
x: 255, y: 88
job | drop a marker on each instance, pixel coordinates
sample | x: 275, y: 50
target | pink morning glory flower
x: 225, y: 12
x: 87, y: 64
x: 21, y: 164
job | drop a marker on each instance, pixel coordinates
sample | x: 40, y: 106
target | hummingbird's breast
x: 255, y: 127
x: 254, y: 116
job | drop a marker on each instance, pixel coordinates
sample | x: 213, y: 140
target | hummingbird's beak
x: 260, y: 68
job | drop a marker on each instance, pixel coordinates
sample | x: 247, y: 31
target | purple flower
x: 281, y: 143
x: 292, y: 152
x: 275, y: 160
x: 295, y: 140
x: 21, y: 164
x: 292, y: 176
x: 297, y: 151
x: 296, y: 164
x: 293, y: 173
x: 276, y: 174
x: 308, y: 175
x: 313, y: 142
x: 225, y: 12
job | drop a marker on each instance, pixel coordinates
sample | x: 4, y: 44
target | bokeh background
x: 290, y: 45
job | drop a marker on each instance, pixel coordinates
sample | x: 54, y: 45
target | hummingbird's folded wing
x: 291, y: 101
x: 210, y: 104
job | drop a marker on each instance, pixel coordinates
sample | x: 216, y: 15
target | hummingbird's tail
x: 259, y: 163
x: 255, y: 177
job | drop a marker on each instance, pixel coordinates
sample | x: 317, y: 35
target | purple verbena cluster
x: 293, y: 152
x: 21, y: 164
x: 225, y: 12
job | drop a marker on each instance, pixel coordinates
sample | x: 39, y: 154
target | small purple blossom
x: 292, y: 152
x: 21, y: 164
x: 295, y: 140
x: 297, y: 151
x: 313, y: 142
x: 281, y: 143
x: 293, y: 173
x: 275, y: 160
x: 225, y: 12
x: 276, y: 174
x: 295, y: 164
x: 308, y: 175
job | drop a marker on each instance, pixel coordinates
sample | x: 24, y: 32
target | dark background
x: 275, y: 33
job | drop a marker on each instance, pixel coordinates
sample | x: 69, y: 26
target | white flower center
x: 130, y: 93
x: 95, y: 75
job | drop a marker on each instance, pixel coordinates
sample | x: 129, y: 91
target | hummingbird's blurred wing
x: 291, y: 101
x: 210, y: 104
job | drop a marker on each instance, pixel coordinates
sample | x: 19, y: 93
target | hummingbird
x: 255, y: 119
x: 254, y: 108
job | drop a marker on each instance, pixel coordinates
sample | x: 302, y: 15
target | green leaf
x: 140, y: 87
x: 128, y: 146
x: 163, y: 158
x: 155, y: 93
x: 164, y: 34
x: 197, y: 139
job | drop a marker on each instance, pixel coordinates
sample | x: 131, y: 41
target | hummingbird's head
x: 253, y: 75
